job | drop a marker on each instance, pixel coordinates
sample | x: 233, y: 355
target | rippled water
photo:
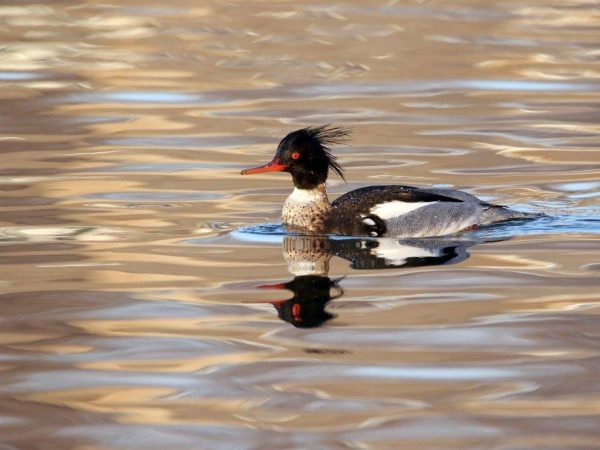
x: 149, y: 298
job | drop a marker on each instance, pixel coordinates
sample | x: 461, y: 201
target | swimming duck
x: 377, y: 211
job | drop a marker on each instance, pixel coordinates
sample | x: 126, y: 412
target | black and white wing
x: 367, y: 211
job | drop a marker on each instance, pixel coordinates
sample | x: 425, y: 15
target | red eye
x: 295, y: 155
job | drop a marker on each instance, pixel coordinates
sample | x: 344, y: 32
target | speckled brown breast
x: 307, y: 209
x: 305, y: 216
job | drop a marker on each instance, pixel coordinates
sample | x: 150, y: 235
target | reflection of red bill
x: 275, y: 303
x: 272, y: 286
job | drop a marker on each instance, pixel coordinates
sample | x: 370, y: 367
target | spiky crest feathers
x: 328, y: 135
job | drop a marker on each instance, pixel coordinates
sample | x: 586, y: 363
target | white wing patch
x: 396, y: 208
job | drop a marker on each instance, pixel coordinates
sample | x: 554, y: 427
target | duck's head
x: 306, y: 155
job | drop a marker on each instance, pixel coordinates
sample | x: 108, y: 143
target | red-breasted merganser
x: 390, y: 211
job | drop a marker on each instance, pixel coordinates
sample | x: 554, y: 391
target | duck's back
x: 406, y: 211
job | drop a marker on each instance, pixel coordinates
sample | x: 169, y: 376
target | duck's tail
x: 496, y: 213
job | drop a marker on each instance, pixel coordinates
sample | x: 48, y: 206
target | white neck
x: 318, y: 195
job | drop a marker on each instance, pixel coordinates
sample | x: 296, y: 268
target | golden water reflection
x: 131, y: 310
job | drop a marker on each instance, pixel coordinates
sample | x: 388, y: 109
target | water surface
x: 149, y: 298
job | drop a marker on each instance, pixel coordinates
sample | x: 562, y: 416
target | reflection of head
x: 306, y: 309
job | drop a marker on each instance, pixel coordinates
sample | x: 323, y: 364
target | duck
x: 376, y: 211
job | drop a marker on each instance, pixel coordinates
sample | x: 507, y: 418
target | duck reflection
x: 306, y: 309
x: 308, y: 260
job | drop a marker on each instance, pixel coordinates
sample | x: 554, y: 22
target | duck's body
x: 393, y: 210
x: 397, y: 211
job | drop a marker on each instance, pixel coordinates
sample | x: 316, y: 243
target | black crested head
x: 306, y: 153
